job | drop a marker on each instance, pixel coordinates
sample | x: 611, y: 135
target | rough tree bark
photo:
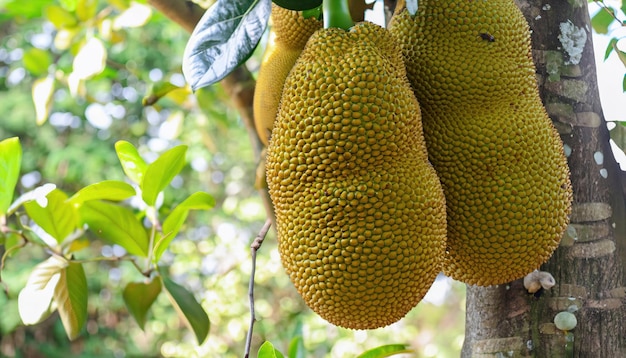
x: 506, y: 321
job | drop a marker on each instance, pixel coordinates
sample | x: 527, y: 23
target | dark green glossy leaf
x: 385, y: 351
x: 10, y: 163
x: 267, y: 350
x: 173, y: 223
x: 602, y: 20
x: 223, y: 39
x: 134, y: 166
x: 298, y: 5
x: 188, y: 309
x: 70, y: 295
x: 113, y: 190
x: 116, y: 224
x: 139, y: 296
x: 161, y: 172
x: 56, y: 217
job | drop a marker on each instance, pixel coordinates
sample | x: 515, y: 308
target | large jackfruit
x: 289, y: 33
x: 360, y: 212
x: 498, y: 156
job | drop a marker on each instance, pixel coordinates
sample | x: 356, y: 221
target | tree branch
x: 254, y: 247
x: 183, y: 12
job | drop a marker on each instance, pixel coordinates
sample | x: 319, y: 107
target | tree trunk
x: 507, y: 321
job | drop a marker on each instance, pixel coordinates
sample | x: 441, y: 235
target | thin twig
x: 254, y: 247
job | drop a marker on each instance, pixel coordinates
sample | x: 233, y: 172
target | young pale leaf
x: 267, y: 350
x: 90, y: 59
x: 173, y: 223
x: 42, y: 92
x: 70, y: 295
x: 161, y: 172
x: 116, y: 224
x: 57, y: 217
x: 134, y: 166
x: 298, y: 5
x: 385, y: 351
x: 33, y: 301
x: 188, y: 309
x: 223, y: 39
x: 10, y: 163
x: 139, y: 296
x: 39, y: 194
x: 113, y: 190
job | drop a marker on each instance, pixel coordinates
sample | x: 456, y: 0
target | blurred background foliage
x: 78, y: 75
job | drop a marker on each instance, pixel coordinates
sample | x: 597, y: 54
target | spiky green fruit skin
x: 497, y: 154
x: 360, y: 212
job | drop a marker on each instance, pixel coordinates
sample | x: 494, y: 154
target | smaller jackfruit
x: 289, y: 33
x: 360, y: 212
x: 500, y: 160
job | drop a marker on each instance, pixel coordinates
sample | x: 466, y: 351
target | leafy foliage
x: 602, y: 22
x: 68, y: 119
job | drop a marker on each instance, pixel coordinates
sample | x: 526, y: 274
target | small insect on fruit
x: 487, y: 36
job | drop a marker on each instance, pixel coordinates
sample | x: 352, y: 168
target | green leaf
x: 139, y: 296
x: 621, y: 54
x: 161, y: 172
x: 117, y: 225
x: 36, y: 61
x: 60, y: 17
x: 602, y: 20
x: 298, y: 5
x: 223, y: 39
x: 86, y: 9
x: 188, y: 308
x: 106, y: 190
x: 173, y: 223
x: 267, y: 350
x: 70, y: 295
x: 56, y: 217
x: 385, y: 351
x: 134, y: 166
x: 158, y: 91
x: 296, y: 348
x: 624, y: 89
x: 10, y: 163
x: 33, y: 301
x: 610, y: 47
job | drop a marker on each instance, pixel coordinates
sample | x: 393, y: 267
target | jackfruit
x: 500, y: 160
x: 288, y: 35
x: 360, y: 212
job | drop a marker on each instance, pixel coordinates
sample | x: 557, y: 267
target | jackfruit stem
x: 337, y: 14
